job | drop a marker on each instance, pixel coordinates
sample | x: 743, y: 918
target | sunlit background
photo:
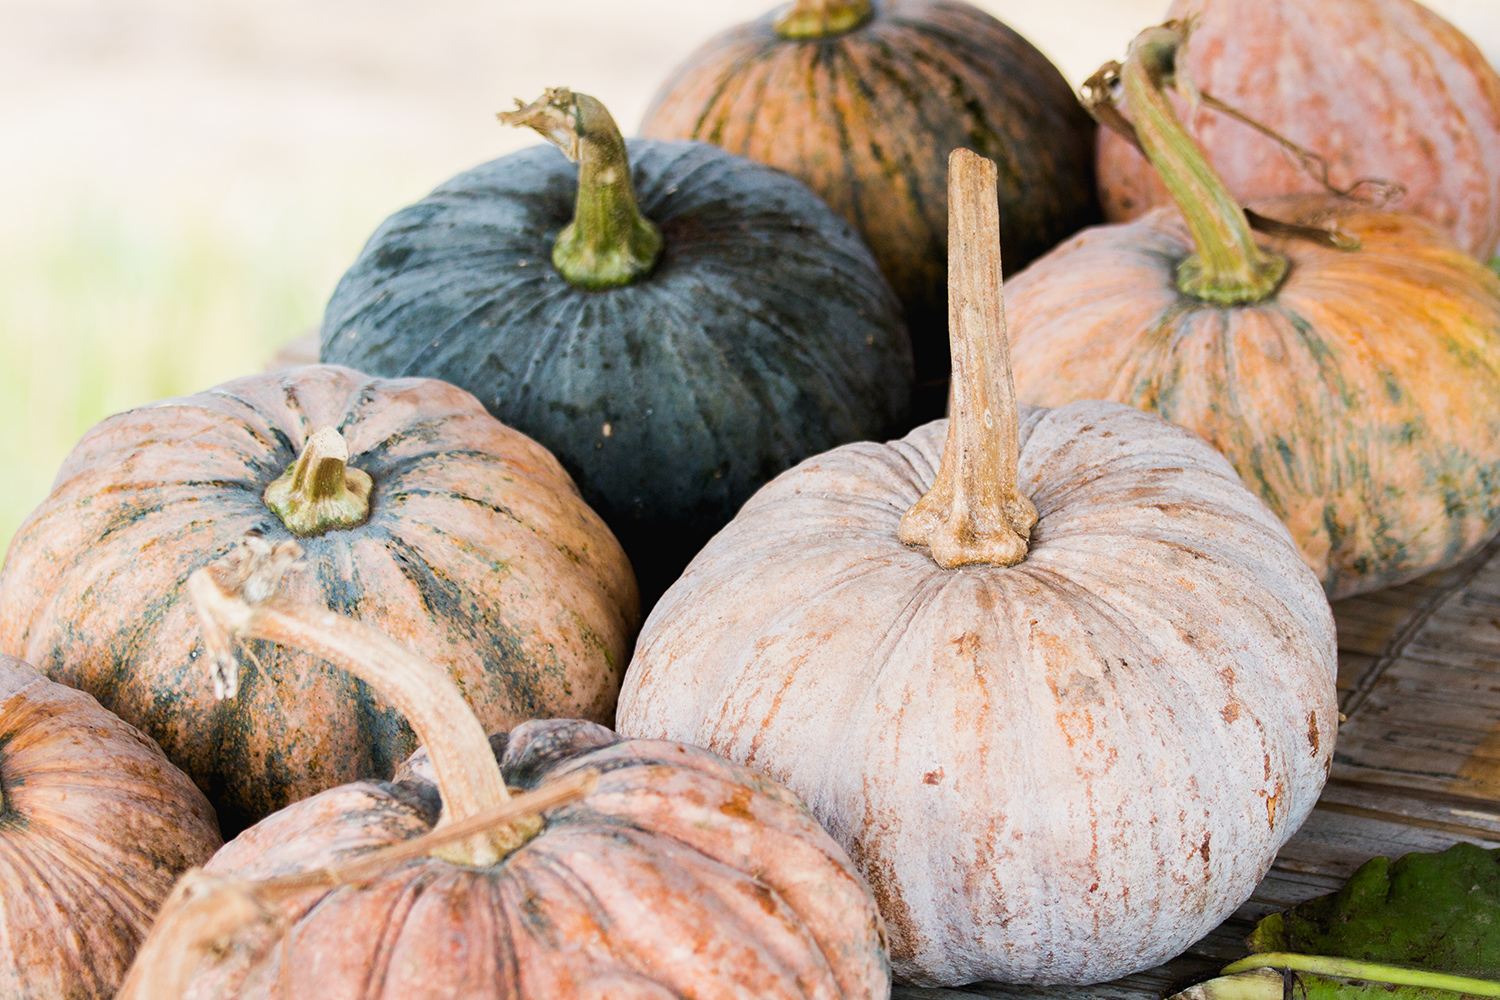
x: 183, y: 181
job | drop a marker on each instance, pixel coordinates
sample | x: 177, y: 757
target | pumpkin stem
x: 238, y: 598
x: 1229, y: 268
x: 822, y: 18
x: 975, y: 513
x: 609, y: 244
x: 319, y: 492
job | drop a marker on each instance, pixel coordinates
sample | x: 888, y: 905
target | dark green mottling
x: 765, y: 334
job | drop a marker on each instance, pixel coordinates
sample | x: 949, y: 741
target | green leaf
x: 1271, y: 984
x: 1435, y: 911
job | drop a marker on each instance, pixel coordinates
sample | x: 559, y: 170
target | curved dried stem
x: 238, y: 599
x: 1100, y: 96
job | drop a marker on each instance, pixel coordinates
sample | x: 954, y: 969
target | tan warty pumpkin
x: 628, y: 870
x: 1377, y: 88
x: 1062, y: 687
x: 95, y: 826
x: 1356, y: 390
x: 419, y: 512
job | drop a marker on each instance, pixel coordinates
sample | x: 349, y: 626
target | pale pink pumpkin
x: 1060, y: 770
x: 1380, y: 88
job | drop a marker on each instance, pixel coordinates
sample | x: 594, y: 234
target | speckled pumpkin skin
x: 96, y: 827
x: 1063, y: 771
x: 1361, y: 401
x: 1381, y: 88
x: 765, y: 334
x: 867, y: 119
x: 478, y: 552
x: 680, y: 877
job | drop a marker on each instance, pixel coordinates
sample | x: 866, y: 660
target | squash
x: 674, y: 352
x: 1357, y: 391
x: 97, y: 826
x: 627, y: 869
x: 419, y: 512
x: 1055, y: 678
x: 1377, y: 88
x: 864, y: 100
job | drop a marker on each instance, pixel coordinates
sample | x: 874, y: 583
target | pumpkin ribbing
x: 95, y: 825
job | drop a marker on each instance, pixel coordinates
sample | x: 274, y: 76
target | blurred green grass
x: 103, y: 308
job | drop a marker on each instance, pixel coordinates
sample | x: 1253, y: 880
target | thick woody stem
x: 975, y: 512
x: 237, y: 599
x: 822, y: 18
x: 609, y: 243
x: 319, y: 492
x: 1229, y: 268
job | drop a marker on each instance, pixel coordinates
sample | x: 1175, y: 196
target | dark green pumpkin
x: 764, y: 333
x: 864, y: 101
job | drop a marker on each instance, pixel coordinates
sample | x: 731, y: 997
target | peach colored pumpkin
x: 1359, y: 394
x: 1057, y: 771
x: 1379, y: 88
x: 97, y: 825
x: 663, y: 873
x: 472, y: 543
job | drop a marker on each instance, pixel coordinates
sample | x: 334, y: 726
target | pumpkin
x: 1357, y: 391
x: 1055, y: 678
x: 675, y: 352
x: 97, y: 826
x: 419, y: 512
x: 1377, y: 88
x: 639, y: 869
x: 864, y: 100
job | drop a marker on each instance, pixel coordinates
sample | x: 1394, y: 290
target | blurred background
x: 183, y: 181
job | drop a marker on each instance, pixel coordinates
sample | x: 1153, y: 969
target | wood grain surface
x: 1417, y: 767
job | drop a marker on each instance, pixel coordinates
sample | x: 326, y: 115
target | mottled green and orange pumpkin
x: 1356, y: 390
x: 419, y: 512
x: 864, y: 100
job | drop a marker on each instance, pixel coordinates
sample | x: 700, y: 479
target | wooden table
x: 1417, y: 766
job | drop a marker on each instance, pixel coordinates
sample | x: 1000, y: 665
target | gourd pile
x: 1030, y: 692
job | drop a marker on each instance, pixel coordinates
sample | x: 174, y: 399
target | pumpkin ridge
x: 443, y: 597
x: 76, y: 874
x: 762, y: 57
x: 77, y: 948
